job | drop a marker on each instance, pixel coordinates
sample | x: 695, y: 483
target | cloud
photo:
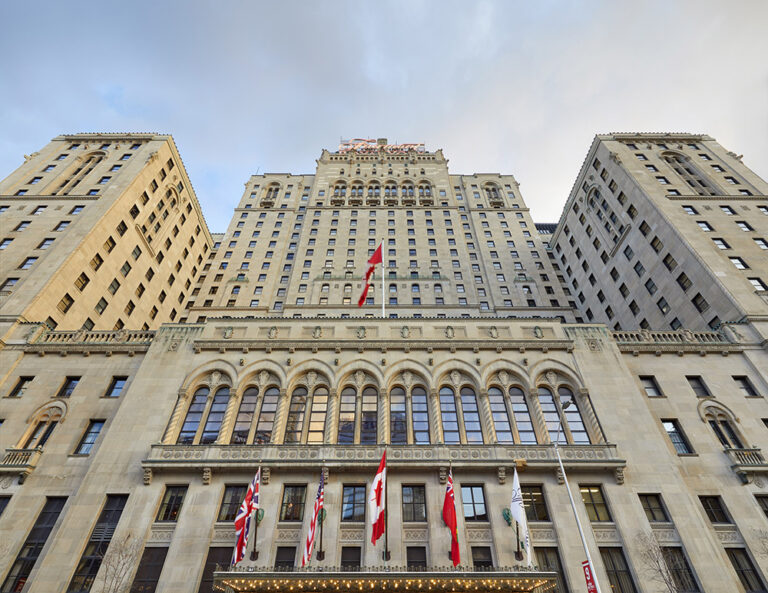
x: 511, y: 87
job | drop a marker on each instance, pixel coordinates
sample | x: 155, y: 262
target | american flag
x: 243, y: 518
x: 313, y: 523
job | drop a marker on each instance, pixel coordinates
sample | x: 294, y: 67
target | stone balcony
x: 498, y: 458
x: 390, y: 200
x: 399, y: 579
x: 130, y: 341
x: 678, y: 341
x: 20, y: 462
x: 746, y: 462
x: 266, y: 203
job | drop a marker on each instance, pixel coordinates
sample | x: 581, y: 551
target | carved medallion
x: 449, y: 332
x: 493, y: 332
x: 272, y: 333
x: 361, y: 333
x: 455, y: 378
x: 405, y: 332
x: 228, y: 332
x: 317, y: 332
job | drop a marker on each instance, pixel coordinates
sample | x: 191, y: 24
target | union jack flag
x: 243, y: 518
x: 307, y: 556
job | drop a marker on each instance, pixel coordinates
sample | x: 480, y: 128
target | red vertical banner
x: 591, y: 587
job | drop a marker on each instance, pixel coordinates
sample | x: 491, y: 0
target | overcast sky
x: 508, y: 87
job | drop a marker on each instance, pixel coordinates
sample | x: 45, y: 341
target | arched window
x: 316, y: 432
x: 244, y: 417
x: 415, y: 288
x: 295, y: 423
x: 325, y: 288
x: 398, y: 419
x: 347, y: 288
x: 47, y: 420
x: 194, y: 416
x: 551, y: 416
x: 357, y: 190
x: 267, y: 413
x: 369, y: 419
x: 420, y: 416
x: 449, y: 416
x: 340, y: 189
x: 522, y: 416
x: 472, y: 426
x: 492, y: 191
x: 573, y: 418
x: 689, y: 174
x: 79, y: 173
x: 347, y: 416
x: 272, y: 191
x: 215, y: 416
x: 393, y: 288
x: 438, y: 288
x: 407, y: 189
x: 721, y: 423
x: 500, y: 416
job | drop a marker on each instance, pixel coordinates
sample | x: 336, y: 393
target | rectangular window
x: 473, y: 499
x: 21, y: 386
x: 68, y: 386
x: 745, y: 570
x: 548, y: 560
x: 679, y: 569
x: 97, y: 545
x: 653, y: 507
x: 148, y: 572
x: 216, y: 556
x: 650, y: 385
x: 89, y: 438
x: 33, y: 545
x: 715, y: 509
x: 116, y: 386
x: 535, y: 505
x: 230, y: 503
x: 353, y: 503
x: 698, y: 385
x: 414, y: 503
x: 416, y: 557
x: 481, y: 557
x: 351, y: 557
x: 173, y: 499
x: 677, y: 437
x: 617, y: 570
x: 292, y: 506
x: 593, y: 499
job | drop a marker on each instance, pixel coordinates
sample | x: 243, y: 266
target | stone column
x: 173, y: 424
x: 332, y: 417
x: 434, y: 412
x: 225, y: 431
x: 383, y: 409
x: 281, y: 417
x: 487, y: 417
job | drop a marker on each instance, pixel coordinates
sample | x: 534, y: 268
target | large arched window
x: 45, y: 423
x: 296, y: 411
x: 347, y: 416
x: 272, y: 191
x: 501, y: 423
x: 573, y: 419
x: 425, y: 189
x: 194, y: 416
x: 266, y: 421
x: 472, y: 426
x: 450, y: 416
x: 525, y: 432
x: 722, y: 424
x: 420, y: 416
x: 689, y: 174
x: 244, y: 417
x: 398, y: 417
x: 340, y: 189
x: 215, y: 416
x: 369, y: 419
x: 492, y: 191
x: 317, y: 416
x: 551, y: 416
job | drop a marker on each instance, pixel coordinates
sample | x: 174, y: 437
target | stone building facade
x: 140, y: 443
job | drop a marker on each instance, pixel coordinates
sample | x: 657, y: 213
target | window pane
x: 353, y: 503
x: 420, y: 416
x: 215, y: 416
x: 292, y: 508
x: 316, y: 433
x: 522, y: 416
x: 194, y: 416
x: 369, y: 418
x: 245, y: 416
x: 471, y: 416
x: 347, y: 413
x: 267, y: 413
x: 499, y: 414
x: 295, y: 422
x: 230, y: 503
x: 594, y: 503
x: 397, y: 416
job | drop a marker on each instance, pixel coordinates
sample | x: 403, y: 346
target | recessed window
x: 594, y: 502
x: 292, y: 506
x: 672, y: 427
x: 89, y: 438
x: 116, y: 386
x: 651, y: 386
x: 653, y: 507
x: 68, y: 386
x: 698, y: 385
x: 745, y: 385
x: 21, y: 386
x: 173, y: 499
x: 473, y: 500
x: 714, y: 509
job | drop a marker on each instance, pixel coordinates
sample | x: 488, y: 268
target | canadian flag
x: 372, y: 261
x: 377, y: 500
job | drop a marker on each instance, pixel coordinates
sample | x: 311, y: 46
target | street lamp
x: 570, y: 496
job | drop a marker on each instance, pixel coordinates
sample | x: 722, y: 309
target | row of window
x: 23, y: 383
x: 358, y: 417
x: 698, y: 385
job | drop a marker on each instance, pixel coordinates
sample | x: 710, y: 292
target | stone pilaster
x: 173, y: 425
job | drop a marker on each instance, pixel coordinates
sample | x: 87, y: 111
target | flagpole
x: 386, y: 506
x: 254, y: 551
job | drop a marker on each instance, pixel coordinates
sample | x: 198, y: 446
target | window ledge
x: 687, y: 454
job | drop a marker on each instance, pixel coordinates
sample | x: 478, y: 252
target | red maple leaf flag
x: 449, y: 516
x: 374, y: 259
x: 377, y: 501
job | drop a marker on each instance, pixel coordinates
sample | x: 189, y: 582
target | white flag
x: 517, y: 509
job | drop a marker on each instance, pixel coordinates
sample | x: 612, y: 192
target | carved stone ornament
x: 359, y: 378
x: 455, y: 378
x: 317, y: 332
x: 173, y: 346
x: 405, y: 332
x: 552, y: 378
x: 266, y: 474
x: 443, y: 474
x: 147, y: 476
x: 311, y: 379
x: 407, y: 379
x: 206, y: 476
x: 361, y: 333
x: 272, y: 333
x: 449, y: 332
x: 263, y: 378
x: 594, y: 345
x: 214, y: 378
x: 619, y: 473
x: 501, y: 474
x: 537, y: 332
x: 503, y: 377
x: 493, y: 332
x: 228, y: 332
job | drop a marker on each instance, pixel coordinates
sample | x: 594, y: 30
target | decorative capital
x: 147, y: 476
x: 206, y: 476
x: 443, y: 474
x: 619, y: 474
x: 501, y: 474
x: 266, y: 474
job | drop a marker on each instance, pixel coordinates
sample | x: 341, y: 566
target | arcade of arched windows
x: 408, y: 409
x: 389, y: 190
